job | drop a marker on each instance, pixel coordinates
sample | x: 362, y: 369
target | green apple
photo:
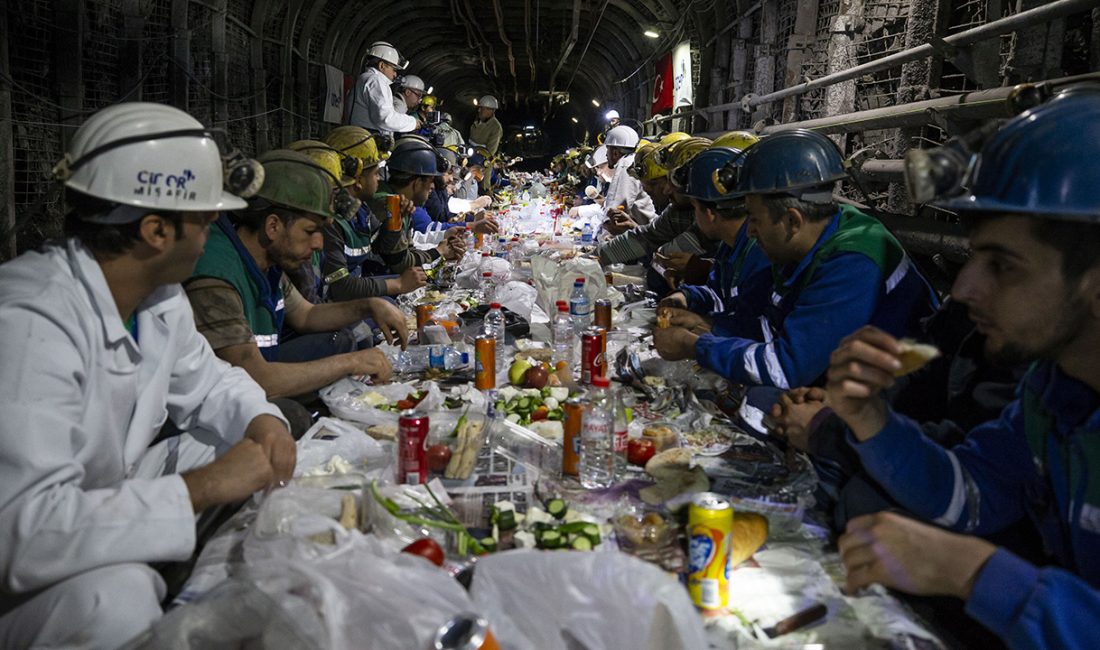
x: 517, y: 371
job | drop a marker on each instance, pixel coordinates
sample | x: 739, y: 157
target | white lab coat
x: 81, y: 402
x: 373, y: 105
x: 626, y: 190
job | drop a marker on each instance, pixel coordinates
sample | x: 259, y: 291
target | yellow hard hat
x: 679, y: 154
x: 429, y: 101
x: 739, y: 140
x: 675, y: 136
x: 326, y: 157
x: 357, y: 147
x: 645, y: 166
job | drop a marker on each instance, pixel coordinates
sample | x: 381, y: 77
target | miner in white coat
x: 99, y: 351
x: 372, y: 102
x: 627, y: 204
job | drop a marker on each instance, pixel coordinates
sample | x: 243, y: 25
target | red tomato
x: 427, y: 548
x: 438, y: 458
x: 539, y: 414
x: 639, y: 451
x: 406, y: 404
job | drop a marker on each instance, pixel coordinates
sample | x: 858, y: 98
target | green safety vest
x: 262, y: 295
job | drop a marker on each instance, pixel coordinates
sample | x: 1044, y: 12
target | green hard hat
x: 293, y: 180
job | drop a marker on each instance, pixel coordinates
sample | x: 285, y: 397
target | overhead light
x: 651, y: 33
x: 475, y: 101
x: 596, y: 103
x: 575, y: 121
x: 529, y: 127
x: 430, y: 89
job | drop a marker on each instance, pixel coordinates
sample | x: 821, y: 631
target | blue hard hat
x: 476, y: 160
x: 1044, y: 161
x: 790, y: 161
x: 703, y: 167
x: 416, y: 156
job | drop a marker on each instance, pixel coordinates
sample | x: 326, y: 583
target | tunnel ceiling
x: 514, y: 49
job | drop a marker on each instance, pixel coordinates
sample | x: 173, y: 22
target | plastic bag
x: 520, y: 299
x: 556, y: 601
x: 554, y: 280
x: 235, y: 614
x: 364, y: 593
x: 329, y: 437
x: 348, y: 399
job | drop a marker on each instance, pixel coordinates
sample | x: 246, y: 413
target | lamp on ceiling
x: 651, y: 32
x: 596, y: 102
x: 575, y: 120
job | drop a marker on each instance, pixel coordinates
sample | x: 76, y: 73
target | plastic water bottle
x: 562, y: 336
x: 494, y: 326
x: 619, y: 436
x: 445, y: 357
x: 487, y: 289
x: 586, y: 233
x: 502, y: 247
x: 580, y: 307
x: 597, y: 457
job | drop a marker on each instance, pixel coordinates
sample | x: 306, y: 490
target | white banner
x: 333, y: 107
x: 681, y: 82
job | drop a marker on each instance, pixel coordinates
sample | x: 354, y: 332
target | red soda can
x: 591, y: 355
x: 412, y: 454
x: 393, y: 207
x: 603, y: 350
x: 602, y: 316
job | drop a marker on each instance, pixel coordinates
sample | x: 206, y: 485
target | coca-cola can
x: 412, y: 454
x: 602, y: 314
x: 592, y: 347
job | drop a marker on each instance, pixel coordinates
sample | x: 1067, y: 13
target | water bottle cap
x: 579, y: 281
x: 487, y: 274
x: 495, y: 305
x: 600, y: 381
x: 465, y: 357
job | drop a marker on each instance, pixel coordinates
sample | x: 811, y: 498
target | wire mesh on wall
x: 68, y: 59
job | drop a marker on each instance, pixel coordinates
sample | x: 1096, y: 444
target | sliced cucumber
x: 551, y: 539
x: 556, y: 508
x: 489, y: 544
x: 581, y: 543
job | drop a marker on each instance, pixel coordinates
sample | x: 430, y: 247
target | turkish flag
x: 662, y: 85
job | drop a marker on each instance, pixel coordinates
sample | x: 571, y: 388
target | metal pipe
x: 982, y: 104
x: 1008, y: 24
x: 883, y: 169
x: 1055, y: 9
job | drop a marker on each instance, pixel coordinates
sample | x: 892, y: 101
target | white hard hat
x: 148, y: 155
x: 388, y: 53
x: 611, y: 115
x: 598, y: 157
x: 488, y: 101
x: 412, y: 82
x: 622, y: 136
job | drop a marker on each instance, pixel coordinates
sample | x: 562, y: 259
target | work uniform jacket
x: 626, y: 191
x: 372, y: 105
x: 1040, y: 459
x: 734, y: 267
x: 788, y: 324
x: 83, y: 398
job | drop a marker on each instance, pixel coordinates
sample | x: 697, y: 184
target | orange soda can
x: 466, y: 631
x: 423, y: 318
x: 393, y: 206
x: 479, y: 240
x: 710, y: 539
x: 485, y: 362
x: 571, y: 438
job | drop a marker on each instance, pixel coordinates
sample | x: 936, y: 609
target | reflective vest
x: 226, y: 258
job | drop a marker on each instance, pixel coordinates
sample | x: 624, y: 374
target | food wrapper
x: 554, y: 281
